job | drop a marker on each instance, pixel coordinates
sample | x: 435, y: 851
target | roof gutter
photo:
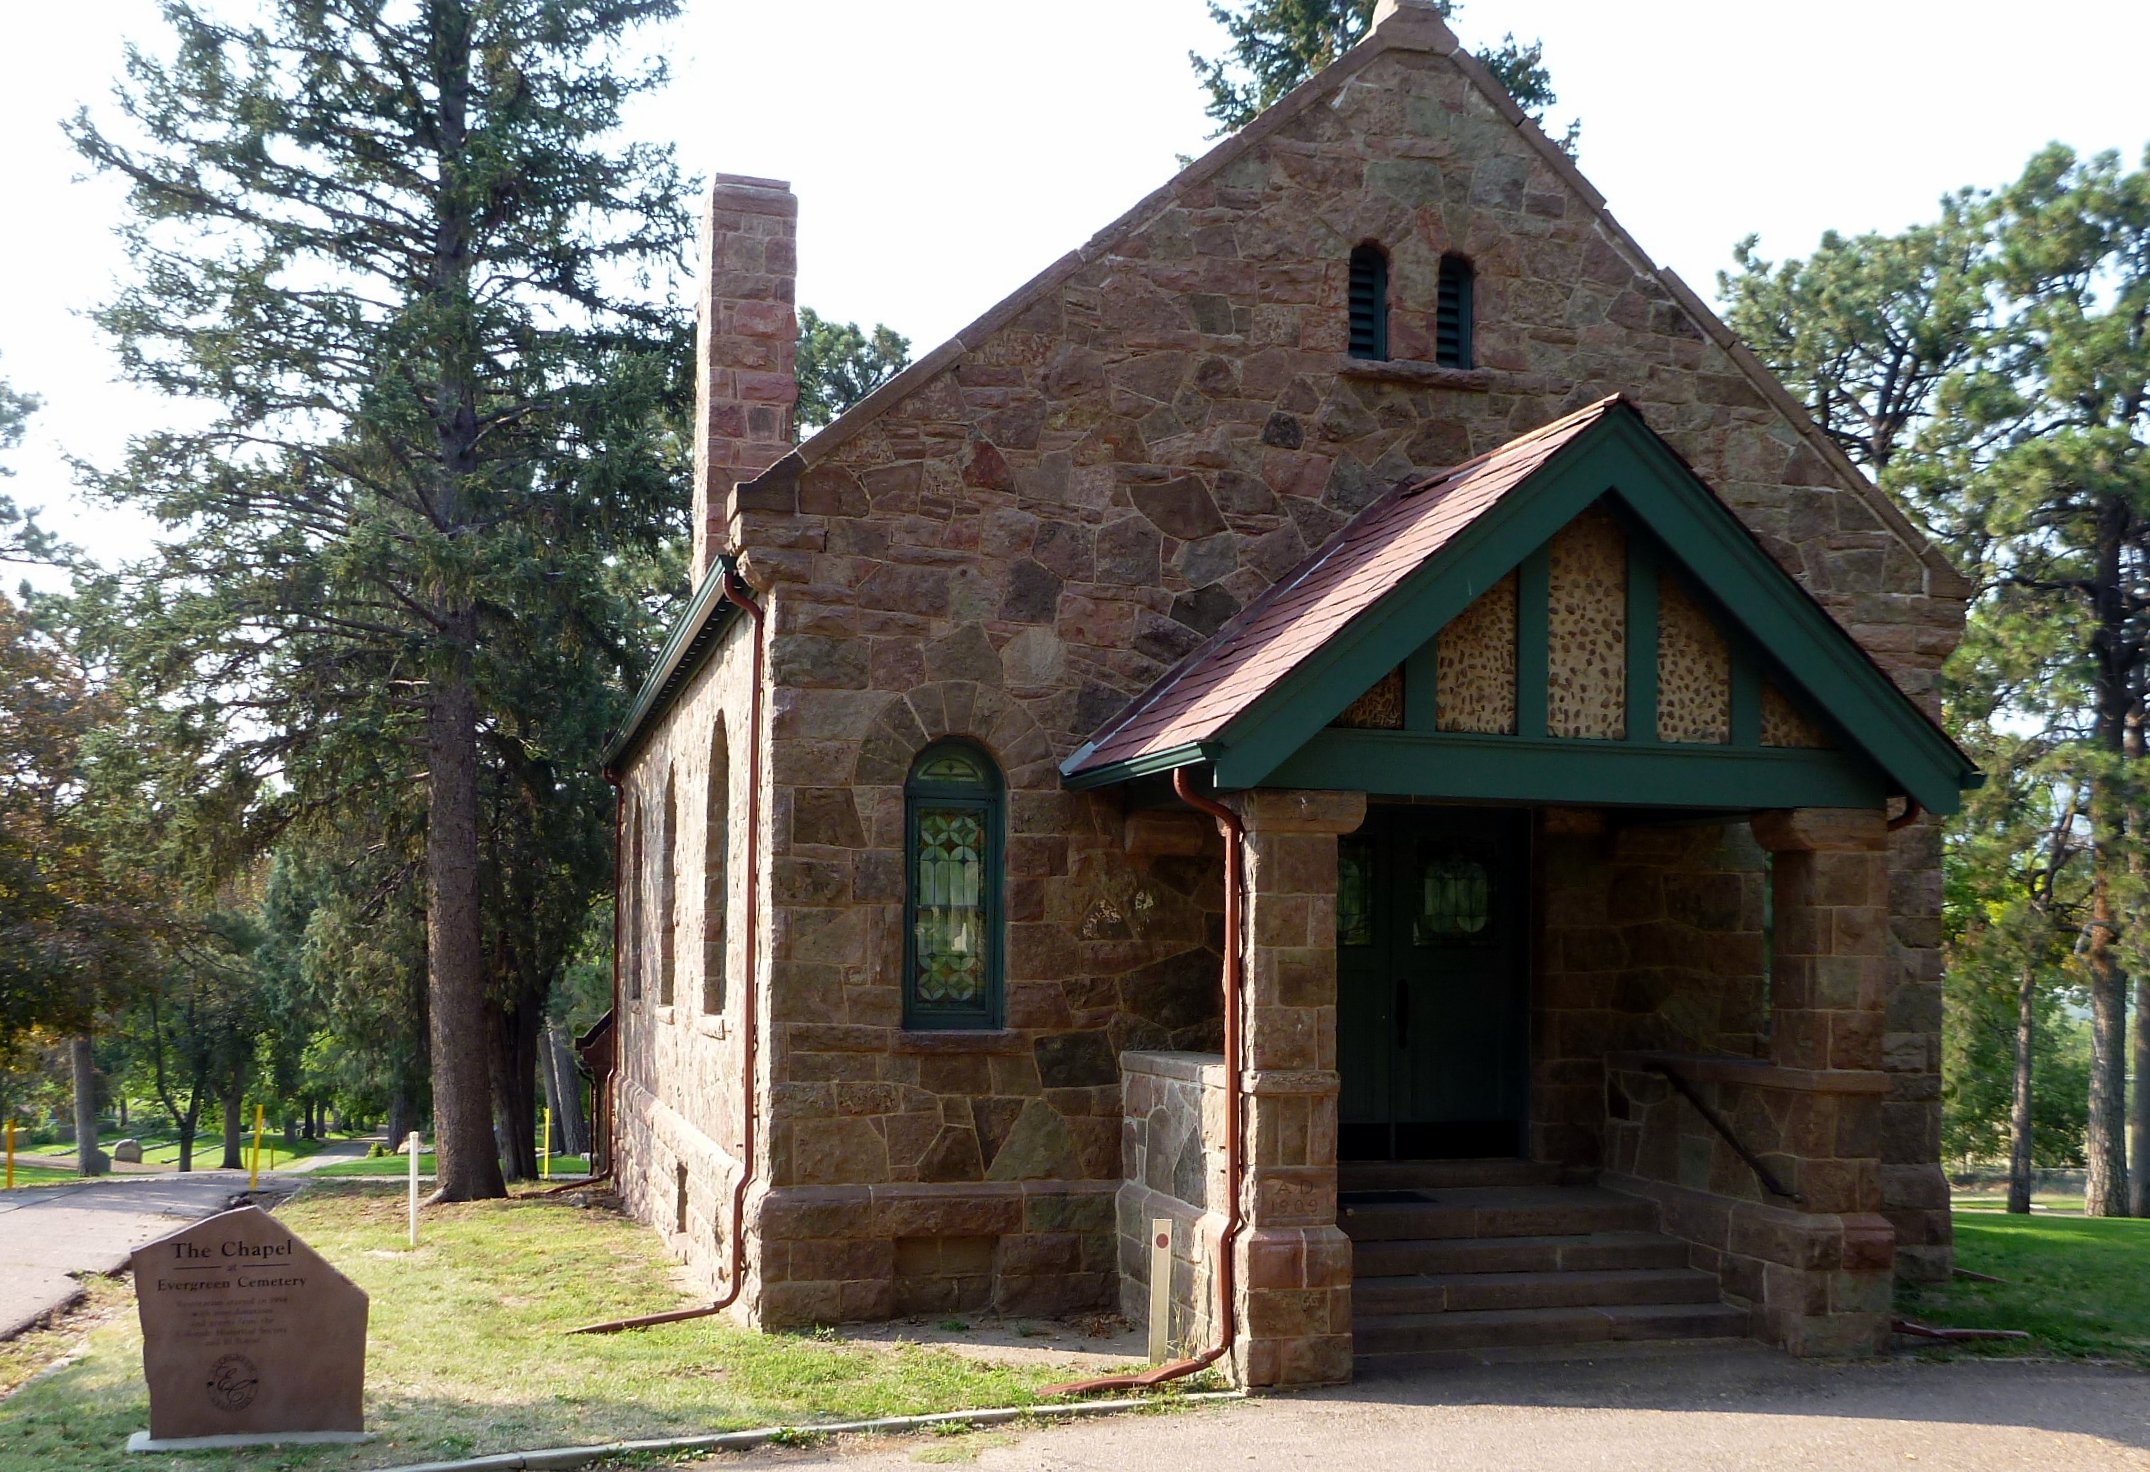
x: 681, y: 656
x: 1171, y: 759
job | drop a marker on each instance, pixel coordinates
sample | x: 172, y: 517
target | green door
x: 1432, y: 954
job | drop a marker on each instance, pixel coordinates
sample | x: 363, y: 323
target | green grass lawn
x: 163, y: 1149
x: 466, y: 1353
x: 396, y: 1165
x: 2080, y: 1285
x: 29, y: 1173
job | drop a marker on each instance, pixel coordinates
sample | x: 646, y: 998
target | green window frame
x: 954, y: 816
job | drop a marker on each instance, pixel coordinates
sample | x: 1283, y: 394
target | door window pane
x: 1455, y: 899
x: 1355, y: 892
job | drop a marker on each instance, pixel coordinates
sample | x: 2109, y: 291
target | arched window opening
x: 1369, y: 302
x: 716, y: 888
x: 1452, y: 314
x: 627, y: 918
x: 953, y: 820
x: 667, y: 896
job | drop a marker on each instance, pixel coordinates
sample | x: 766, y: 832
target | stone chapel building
x: 1348, y: 714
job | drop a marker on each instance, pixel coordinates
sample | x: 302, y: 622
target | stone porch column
x: 1292, y: 1263
x: 1829, y: 1281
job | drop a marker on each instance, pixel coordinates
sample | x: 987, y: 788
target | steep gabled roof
x: 1196, y: 701
x: 1273, y: 677
x: 1399, y: 25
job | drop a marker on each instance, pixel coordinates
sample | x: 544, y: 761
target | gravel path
x: 1698, y: 1411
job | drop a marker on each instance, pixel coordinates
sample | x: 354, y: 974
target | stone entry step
x: 1433, y: 1293
x: 1519, y: 1327
x: 1585, y: 1252
x: 1497, y: 1211
x: 1380, y: 1175
x: 1482, y: 1255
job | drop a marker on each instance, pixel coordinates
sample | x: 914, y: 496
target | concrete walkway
x: 1699, y: 1411
x: 48, y: 1233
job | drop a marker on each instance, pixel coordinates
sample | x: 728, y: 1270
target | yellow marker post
x: 253, y: 1174
x: 545, y: 1147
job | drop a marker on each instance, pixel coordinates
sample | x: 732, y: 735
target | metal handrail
x: 1715, y: 1121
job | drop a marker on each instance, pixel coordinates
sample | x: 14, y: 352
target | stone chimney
x: 746, y: 380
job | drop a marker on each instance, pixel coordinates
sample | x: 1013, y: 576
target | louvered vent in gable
x: 1369, y: 303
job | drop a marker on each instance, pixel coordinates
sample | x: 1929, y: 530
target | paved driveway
x: 49, y: 1232
x: 1696, y: 1411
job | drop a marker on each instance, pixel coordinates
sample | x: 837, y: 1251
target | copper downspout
x: 1911, y: 814
x: 1235, y: 835
x: 736, y: 590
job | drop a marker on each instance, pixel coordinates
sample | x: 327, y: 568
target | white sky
x: 946, y: 150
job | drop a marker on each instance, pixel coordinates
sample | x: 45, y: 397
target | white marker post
x: 412, y: 1146
x: 1160, y: 1289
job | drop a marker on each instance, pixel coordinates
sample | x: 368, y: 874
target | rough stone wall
x: 1172, y: 1153
x: 1810, y: 1249
x: 1650, y: 938
x: 678, y: 1090
x: 1039, y: 519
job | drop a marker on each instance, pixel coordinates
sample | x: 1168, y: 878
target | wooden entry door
x: 1432, y: 952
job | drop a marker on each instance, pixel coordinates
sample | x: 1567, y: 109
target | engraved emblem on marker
x: 232, y: 1383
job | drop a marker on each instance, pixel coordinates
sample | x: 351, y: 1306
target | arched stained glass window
x: 952, y: 808
x: 668, y: 896
x: 716, y: 885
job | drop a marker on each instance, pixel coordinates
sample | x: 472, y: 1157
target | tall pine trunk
x: 467, y: 1164
x: 2019, y: 1113
x: 2105, y: 1190
x: 516, y: 1027
x: 90, y: 1160
x: 566, y: 1089
x: 234, y: 1127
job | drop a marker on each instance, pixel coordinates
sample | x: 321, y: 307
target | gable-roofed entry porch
x: 1562, y: 815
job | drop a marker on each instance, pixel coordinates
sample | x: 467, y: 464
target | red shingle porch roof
x: 1375, y: 551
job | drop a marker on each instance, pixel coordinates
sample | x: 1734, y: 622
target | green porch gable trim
x: 1283, y: 738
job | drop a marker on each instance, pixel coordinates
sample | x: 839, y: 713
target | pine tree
x: 400, y: 251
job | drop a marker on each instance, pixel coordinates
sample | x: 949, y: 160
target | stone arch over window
x: 668, y: 895
x: 1454, y: 303
x: 716, y: 870
x: 1368, y: 302
x: 954, y: 822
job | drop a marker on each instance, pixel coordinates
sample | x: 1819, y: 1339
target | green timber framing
x: 1886, y: 745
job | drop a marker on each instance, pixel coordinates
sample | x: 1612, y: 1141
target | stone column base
x: 1294, y: 1307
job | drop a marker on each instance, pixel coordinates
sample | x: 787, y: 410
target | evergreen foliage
x: 1993, y: 369
x: 839, y: 364
x: 400, y: 253
x: 1277, y: 44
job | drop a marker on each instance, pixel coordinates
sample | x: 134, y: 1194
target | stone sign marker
x: 248, y: 1332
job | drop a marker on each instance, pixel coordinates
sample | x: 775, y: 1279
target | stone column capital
x: 1821, y: 830
x: 1268, y: 810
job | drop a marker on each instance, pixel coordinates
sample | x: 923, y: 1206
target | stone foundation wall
x: 1172, y: 1149
x: 833, y: 1254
